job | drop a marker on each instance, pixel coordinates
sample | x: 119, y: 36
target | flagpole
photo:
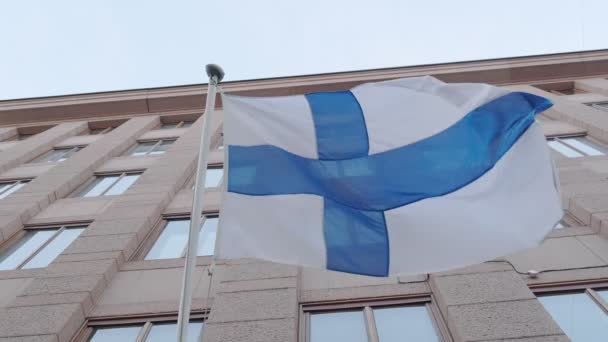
x: 215, y: 74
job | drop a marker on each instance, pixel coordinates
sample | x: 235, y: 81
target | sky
x: 69, y: 47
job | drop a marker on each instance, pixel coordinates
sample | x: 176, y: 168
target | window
x: 97, y: 131
x: 373, y: 323
x: 582, y: 315
x: 159, y: 331
x: 7, y: 188
x: 561, y: 88
x: 19, y: 137
x: 172, y: 241
x: 220, y: 143
x: 599, y: 105
x: 214, y: 177
x: 57, y: 154
x: 180, y: 124
x: 111, y: 184
x: 153, y: 147
x: 38, y: 248
x: 574, y: 147
x: 568, y: 91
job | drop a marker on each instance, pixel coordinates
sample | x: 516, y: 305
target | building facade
x: 95, y: 198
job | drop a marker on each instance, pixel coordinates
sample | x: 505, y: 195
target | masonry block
x: 275, y: 330
x: 254, y: 305
x: 479, y: 288
x: 502, y: 320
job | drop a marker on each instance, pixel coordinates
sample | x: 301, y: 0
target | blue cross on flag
x: 400, y: 177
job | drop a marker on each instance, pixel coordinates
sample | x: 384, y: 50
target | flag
x: 406, y: 176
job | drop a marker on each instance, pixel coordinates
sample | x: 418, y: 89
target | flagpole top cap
x: 215, y: 70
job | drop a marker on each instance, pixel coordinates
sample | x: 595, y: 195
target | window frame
x: 366, y: 305
x: 568, y: 91
x: 146, y: 321
x: 66, y: 151
x: 10, y: 242
x: 179, y: 124
x: 152, y: 148
x: 559, y: 138
x: 159, y: 228
x: 192, y: 180
x: 121, y: 174
x: 14, y: 182
x: 587, y: 287
x: 601, y: 105
x: 100, y: 131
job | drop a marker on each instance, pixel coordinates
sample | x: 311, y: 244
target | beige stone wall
x: 102, y: 274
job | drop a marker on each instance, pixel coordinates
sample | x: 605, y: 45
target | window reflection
x: 338, y: 326
x: 409, y: 323
x: 578, y: 316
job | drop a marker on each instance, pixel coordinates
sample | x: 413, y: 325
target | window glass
x: 206, y: 241
x: 5, y: 186
x: 587, y: 146
x: 98, y: 186
x: 213, y: 178
x: 116, y: 334
x: 96, y: 131
x: 122, y: 185
x: 69, y: 153
x: 338, y: 326
x: 603, y: 294
x: 186, y: 124
x: 407, y: 323
x: 171, y: 242
x: 162, y: 147
x: 169, y: 125
x: 600, y: 105
x: 54, y: 248
x: 12, y: 187
x: 578, y: 316
x: 563, y: 149
x: 50, y: 156
x: 142, y: 148
x: 24, y: 248
x: 162, y: 332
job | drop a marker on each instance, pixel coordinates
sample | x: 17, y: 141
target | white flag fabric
x: 405, y: 176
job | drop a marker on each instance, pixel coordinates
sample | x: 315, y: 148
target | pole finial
x: 215, y: 70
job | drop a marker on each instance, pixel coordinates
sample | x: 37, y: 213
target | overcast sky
x: 68, y: 47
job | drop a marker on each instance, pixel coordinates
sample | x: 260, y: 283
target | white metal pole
x: 215, y: 74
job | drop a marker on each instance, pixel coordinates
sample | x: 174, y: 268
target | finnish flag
x: 399, y: 177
